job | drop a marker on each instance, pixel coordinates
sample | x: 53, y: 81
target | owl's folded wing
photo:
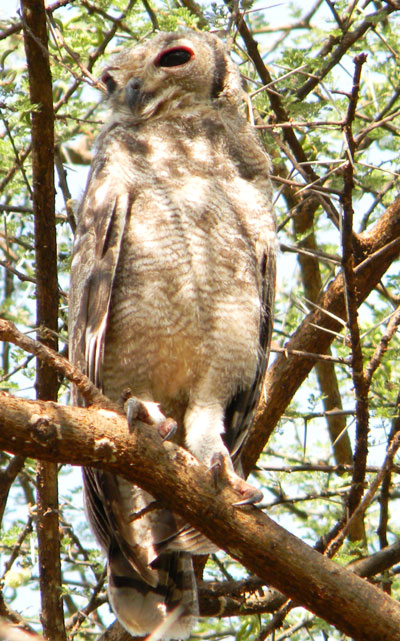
x: 241, y: 409
x: 97, y: 247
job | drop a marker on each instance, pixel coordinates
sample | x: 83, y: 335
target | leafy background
x: 306, y: 469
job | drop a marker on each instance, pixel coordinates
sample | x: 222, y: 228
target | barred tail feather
x: 141, y: 608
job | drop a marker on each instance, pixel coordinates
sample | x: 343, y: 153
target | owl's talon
x: 216, y: 468
x: 132, y: 408
x: 167, y: 428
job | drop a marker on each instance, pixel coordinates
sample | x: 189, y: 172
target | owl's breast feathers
x: 188, y: 285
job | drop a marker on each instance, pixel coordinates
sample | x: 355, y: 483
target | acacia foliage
x: 328, y: 115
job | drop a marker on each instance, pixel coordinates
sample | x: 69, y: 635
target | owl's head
x: 171, y: 71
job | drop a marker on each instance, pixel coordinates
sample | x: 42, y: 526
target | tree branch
x: 344, y: 42
x: 101, y: 438
x: 91, y: 394
x: 380, y: 247
x: 43, y: 196
x: 7, y: 478
x: 351, y: 299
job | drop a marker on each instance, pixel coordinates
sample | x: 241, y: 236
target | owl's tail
x: 170, y: 605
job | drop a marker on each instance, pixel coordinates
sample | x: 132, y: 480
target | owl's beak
x: 133, y: 92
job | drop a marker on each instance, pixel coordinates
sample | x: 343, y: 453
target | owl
x: 172, y: 289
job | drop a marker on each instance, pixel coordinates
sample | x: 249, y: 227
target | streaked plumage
x: 172, y: 287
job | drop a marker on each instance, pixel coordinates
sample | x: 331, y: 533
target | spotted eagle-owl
x: 172, y: 287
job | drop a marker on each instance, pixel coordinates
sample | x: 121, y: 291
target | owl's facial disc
x: 174, y: 57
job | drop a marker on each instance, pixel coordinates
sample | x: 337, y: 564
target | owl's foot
x: 221, y: 467
x: 149, y: 412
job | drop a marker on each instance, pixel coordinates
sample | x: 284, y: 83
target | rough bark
x: 101, y: 438
x: 43, y: 197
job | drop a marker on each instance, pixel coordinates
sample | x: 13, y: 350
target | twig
x: 22, y: 277
x: 382, y: 346
x: 19, y: 162
x: 9, y: 332
x: 319, y: 467
x: 152, y: 15
x: 359, y: 381
x: 20, y: 368
x: 17, y: 547
x: 276, y: 621
x: 75, y: 621
x: 7, y: 478
x: 369, y: 495
x: 317, y: 357
x: 386, y: 482
x: 344, y: 43
x: 18, y: 25
x: 315, y: 253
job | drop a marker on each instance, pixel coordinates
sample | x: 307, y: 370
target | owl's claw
x: 148, y: 412
x: 219, y: 467
x: 134, y: 410
x: 167, y: 428
x: 251, y: 495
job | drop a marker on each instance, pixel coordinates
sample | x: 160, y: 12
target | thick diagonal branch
x: 101, y: 438
x: 380, y: 247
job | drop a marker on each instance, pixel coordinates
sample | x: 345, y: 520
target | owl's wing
x: 96, y: 251
x: 105, y: 207
x: 240, y: 412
